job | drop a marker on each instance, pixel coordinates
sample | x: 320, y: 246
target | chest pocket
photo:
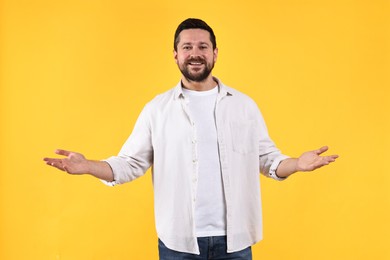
x: 244, y: 138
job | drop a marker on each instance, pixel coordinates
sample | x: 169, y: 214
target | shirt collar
x: 223, y: 90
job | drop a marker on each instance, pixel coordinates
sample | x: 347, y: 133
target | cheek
x: 181, y: 59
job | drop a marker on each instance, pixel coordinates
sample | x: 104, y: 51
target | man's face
x: 195, y: 56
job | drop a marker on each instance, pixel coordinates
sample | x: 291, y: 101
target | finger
x: 322, y: 150
x: 51, y: 160
x: 62, y: 152
x: 56, y: 164
x: 332, y: 158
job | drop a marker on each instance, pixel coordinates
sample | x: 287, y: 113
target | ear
x: 175, y: 56
x: 215, y: 54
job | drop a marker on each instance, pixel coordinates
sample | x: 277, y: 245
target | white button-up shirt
x: 164, y: 138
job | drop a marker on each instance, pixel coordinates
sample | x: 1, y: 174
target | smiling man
x: 196, y: 55
x: 206, y: 144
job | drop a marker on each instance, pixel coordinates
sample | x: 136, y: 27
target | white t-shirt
x: 210, y: 208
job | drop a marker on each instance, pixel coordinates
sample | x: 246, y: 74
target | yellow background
x: 75, y: 75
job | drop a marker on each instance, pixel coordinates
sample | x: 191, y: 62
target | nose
x: 195, y: 52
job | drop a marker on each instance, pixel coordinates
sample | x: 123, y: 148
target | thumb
x: 62, y: 152
x: 322, y: 150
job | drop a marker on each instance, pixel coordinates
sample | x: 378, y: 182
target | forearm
x: 287, y: 167
x: 100, y: 169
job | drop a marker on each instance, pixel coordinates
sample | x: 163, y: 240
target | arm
x: 135, y: 157
x: 308, y: 161
x: 76, y: 163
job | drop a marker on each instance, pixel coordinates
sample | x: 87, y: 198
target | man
x: 206, y: 144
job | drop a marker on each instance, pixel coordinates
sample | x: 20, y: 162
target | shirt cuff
x: 274, y: 167
x: 110, y: 183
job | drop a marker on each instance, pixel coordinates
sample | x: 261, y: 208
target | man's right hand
x: 76, y: 163
x: 73, y: 163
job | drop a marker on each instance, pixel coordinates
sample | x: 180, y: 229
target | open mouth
x: 195, y: 63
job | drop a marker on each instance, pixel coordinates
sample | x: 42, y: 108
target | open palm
x: 312, y: 160
x: 73, y: 163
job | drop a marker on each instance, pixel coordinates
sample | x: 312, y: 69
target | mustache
x: 196, y: 60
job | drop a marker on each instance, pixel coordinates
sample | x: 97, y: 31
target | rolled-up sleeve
x: 273, y: 160
x: 136, y: 155
x: 269, y: 155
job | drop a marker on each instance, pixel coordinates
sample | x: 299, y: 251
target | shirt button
x: 194, y: 161
x: 194, y: 141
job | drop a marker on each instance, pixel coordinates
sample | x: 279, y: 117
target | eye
x: 186, y: 47
x: 203, y: 47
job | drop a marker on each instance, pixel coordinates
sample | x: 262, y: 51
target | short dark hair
x: 194, y: 23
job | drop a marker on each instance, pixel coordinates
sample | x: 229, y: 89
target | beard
x: 199, y: 75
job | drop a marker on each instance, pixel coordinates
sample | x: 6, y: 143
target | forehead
x: 194, y: 36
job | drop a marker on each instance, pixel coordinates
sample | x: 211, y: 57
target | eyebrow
x: 200, y: 43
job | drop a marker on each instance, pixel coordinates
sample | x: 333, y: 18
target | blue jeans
x: 210, y: 248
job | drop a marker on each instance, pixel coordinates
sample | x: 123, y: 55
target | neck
x: 207, y: 84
